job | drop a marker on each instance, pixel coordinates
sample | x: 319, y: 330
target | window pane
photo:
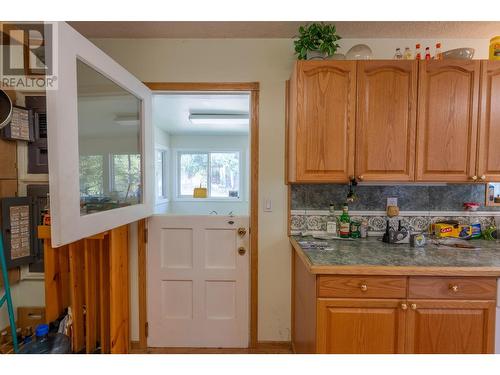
x: 193, y: 172
x: 225, y: 174
x: 109, y: 122
x: 126, y: 178
x: 159, y: 169
x: 91, y: 176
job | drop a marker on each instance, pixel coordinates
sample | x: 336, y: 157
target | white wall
x: 25, y: 293
x: 268, y: 61
x: 162, y: 140
x: 208, y: 143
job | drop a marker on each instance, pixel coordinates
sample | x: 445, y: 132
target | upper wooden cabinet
x: 321, y: 121
x: 488, y: 165
x: 386, y: 120
x: 434, y: 121
x: 448, y: 102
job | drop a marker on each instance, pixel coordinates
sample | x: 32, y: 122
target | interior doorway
x: 209, y: 165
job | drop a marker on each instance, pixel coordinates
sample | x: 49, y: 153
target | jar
x: 495, y: 48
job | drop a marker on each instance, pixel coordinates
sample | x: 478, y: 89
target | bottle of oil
x: 345, y: 222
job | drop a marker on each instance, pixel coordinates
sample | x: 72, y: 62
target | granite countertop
x: 372, y: 256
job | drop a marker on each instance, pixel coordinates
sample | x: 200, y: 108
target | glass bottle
x: 438, y: 55
x: 345, y: 222
x: 398, y: 55
x: 407, y: 55
x: 427, y: 53
x: 418, y: 52
x: 331, y: 223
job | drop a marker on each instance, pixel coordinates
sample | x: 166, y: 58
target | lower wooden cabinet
x: 450, y: 327
x: 367, y: 314
x: 360, y: 326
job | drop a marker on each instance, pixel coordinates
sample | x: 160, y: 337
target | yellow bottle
x: 495, y: 48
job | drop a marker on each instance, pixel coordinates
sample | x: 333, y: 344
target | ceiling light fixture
x: 218, y: 119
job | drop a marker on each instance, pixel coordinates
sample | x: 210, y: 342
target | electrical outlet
x: 392, y: 202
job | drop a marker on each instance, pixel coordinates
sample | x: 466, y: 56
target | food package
x: 454, y: 230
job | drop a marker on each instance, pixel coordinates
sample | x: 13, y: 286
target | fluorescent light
x: 127, y: 120
x: 218, y: 119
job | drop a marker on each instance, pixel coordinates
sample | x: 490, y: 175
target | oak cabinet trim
x: 489, y: 307
x: 365, y: 71
x: 434, y: 68
x: 298, y: 147
x: 323, y: 304
x: 489, y: 70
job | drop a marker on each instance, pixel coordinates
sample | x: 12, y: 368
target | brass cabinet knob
x: 474, y: 178
x: 413, y: 306
x: 404, y: 306
x: 453, y: 288
x: 483, y: 177
x: 360, y: 177
x: 242, y: 250
x: 363, y: 287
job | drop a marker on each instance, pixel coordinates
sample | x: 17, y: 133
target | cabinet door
x: 360, y: 326
x: 450, y: 327
x: 448, y: 95
x: 386, y: 120
x: 322, y: 121
x: 489, y: 130
x: 100, y: 142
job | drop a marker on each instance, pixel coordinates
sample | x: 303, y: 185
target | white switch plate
x: 392, y: 202
x: 268, y: 205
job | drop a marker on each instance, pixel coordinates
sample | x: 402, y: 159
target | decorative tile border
x: 316, y: 221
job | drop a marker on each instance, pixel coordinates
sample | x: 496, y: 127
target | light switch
x: 268, y: 205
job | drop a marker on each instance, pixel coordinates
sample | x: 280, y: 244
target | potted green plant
x: 316, y: 41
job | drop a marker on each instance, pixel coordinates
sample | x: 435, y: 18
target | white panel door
x: 68, y: 222
x: 198, y: 281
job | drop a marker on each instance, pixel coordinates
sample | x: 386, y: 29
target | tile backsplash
x: 374, y: 197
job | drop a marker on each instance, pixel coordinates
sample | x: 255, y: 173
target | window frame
x: 165, y: 181
x: 187, y: 198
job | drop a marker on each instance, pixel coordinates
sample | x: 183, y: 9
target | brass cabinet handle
x: 413, y: 306
x: 363, y: 287
x: 241, y: 250
x: 474, y: 178
x: 453, y: 288
x: 360, y: 177
x: 483, y: 177
x: 404, y: 306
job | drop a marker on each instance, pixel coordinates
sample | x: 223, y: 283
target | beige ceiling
x: 354, y: 29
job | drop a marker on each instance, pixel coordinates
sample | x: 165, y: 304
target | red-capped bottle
x: 418, y: 53
x: 427, y: 53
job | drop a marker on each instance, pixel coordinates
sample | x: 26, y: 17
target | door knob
x: 242, y: 232
x: 242, y: 250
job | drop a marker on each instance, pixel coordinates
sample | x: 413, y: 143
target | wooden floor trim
x: 262, y: 347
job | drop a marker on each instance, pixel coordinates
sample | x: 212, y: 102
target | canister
x: 495, y: 48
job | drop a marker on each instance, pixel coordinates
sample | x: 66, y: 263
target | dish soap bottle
x: 345, y: 222
x: 331, y: 224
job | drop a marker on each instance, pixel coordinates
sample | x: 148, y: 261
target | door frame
x: 254, y: 89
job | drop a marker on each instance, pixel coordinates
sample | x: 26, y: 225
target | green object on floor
x: 7, y: 297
